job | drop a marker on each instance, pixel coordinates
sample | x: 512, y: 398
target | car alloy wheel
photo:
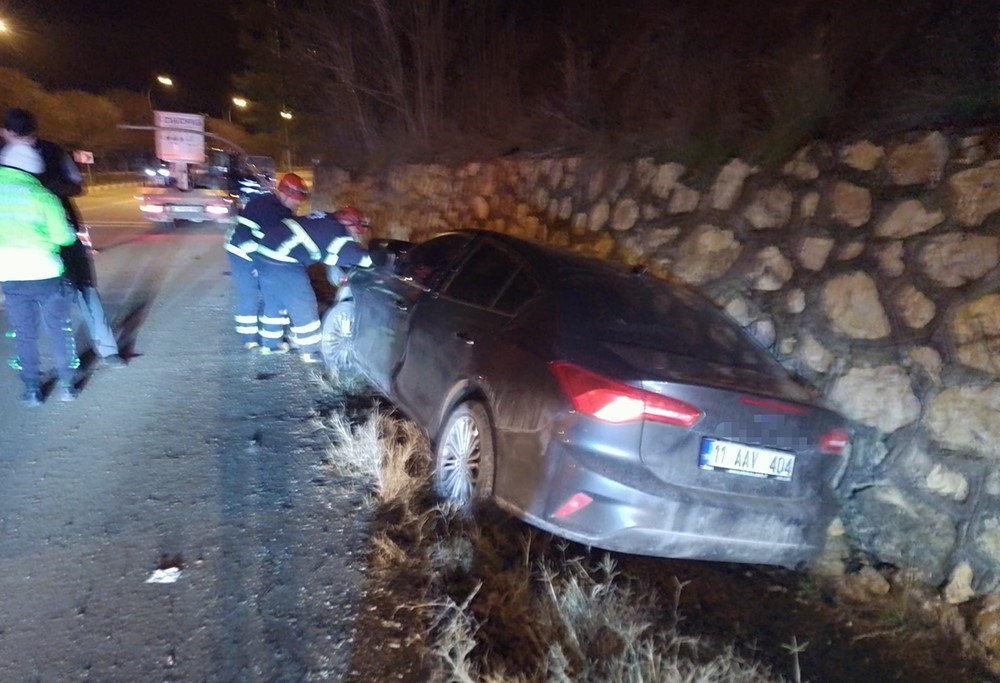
x: 337, y: 345
x: 463, y: 468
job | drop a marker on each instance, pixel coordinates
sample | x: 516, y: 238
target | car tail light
x: 834, y: 442
x: 217, y: 210
x: 611, y: 401
x: 151, y: 208
x: 573, y: 505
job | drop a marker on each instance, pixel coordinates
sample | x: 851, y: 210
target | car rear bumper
x: 681, y: 522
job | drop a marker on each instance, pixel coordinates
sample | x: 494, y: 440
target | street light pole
x: 287, y: 116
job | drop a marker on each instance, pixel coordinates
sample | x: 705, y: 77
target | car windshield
x: 651, y: 313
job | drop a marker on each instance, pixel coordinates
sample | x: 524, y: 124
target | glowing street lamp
x: 165, y: 81
x: 4, y: 28
x: 240, y: 102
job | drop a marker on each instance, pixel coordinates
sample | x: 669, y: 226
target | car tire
x: 337, y: 346
x: 464, y: 457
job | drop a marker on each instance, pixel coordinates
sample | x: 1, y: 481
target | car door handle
x: 401, y: 305
x: 466, y: 337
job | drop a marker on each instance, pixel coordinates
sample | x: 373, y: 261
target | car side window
x: 482, y: 276
x: 521, y: 288
x: 492, y: 278
x: 424, y: 263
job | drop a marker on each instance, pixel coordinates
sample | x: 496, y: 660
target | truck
x: 194, y: 182
x: 215, y: 190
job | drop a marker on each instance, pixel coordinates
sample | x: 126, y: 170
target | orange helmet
x: 292, y: 184
x: 352, y: 219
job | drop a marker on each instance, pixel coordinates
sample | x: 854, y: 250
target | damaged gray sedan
x: 603, y: 405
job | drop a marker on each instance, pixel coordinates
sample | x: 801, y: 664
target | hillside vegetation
x: 693, y: 81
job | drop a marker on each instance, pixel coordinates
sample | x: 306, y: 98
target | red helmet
x: 352, y: 219
x: 292, y: 184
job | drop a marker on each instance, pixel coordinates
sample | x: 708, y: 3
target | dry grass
x: 591, y: 625
x: 506, y: 604
x: 385, y: 454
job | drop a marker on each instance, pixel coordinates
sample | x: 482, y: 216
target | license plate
x: 187, y: 209
x: 746, y: 460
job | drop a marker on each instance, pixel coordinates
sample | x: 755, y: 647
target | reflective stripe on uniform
x: 246, y: 324
x: 254, y: 226
x: 303, y: 238
x: 274, y: 255
x: 271, y: 320
x: 305, y: 329
x: 310, y: 340
x: 272, y: 334
x: 333, y: 250
x: 240, y: 250
x: 308, y: 334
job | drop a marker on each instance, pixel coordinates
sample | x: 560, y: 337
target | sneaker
x: 113, y: 361
x: 32, y: 396
x: 250, y: 346
x: 310, y: 358
x: 65, y: 392
x: 267, y: 350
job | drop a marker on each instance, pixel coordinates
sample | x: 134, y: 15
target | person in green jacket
x: 33, y: 229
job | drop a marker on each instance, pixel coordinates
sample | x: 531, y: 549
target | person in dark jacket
x: 61, y: 177
x: 241, y: 244
x: 283, y: 254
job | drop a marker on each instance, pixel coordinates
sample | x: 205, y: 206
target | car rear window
x: 648, y: 312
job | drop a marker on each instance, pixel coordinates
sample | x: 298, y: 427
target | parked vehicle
x: 602, y: 405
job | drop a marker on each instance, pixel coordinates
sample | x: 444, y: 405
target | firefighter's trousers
x: 286, y: 287
x: 246, y: 297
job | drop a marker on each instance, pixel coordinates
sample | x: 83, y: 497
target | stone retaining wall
x: 869, y: 268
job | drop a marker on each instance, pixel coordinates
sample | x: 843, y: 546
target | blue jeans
x: 96, y: 322
x: 30, y: 302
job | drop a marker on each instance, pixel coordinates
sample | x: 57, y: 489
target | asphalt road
x: 198, y: 456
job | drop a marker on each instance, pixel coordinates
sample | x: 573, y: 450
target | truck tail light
x: 615, y: 402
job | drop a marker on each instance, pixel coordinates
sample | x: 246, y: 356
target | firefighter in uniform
x: 282, y: 258
x: 266, y: 210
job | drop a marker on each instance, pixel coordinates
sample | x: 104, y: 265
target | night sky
x: 96, y: 45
